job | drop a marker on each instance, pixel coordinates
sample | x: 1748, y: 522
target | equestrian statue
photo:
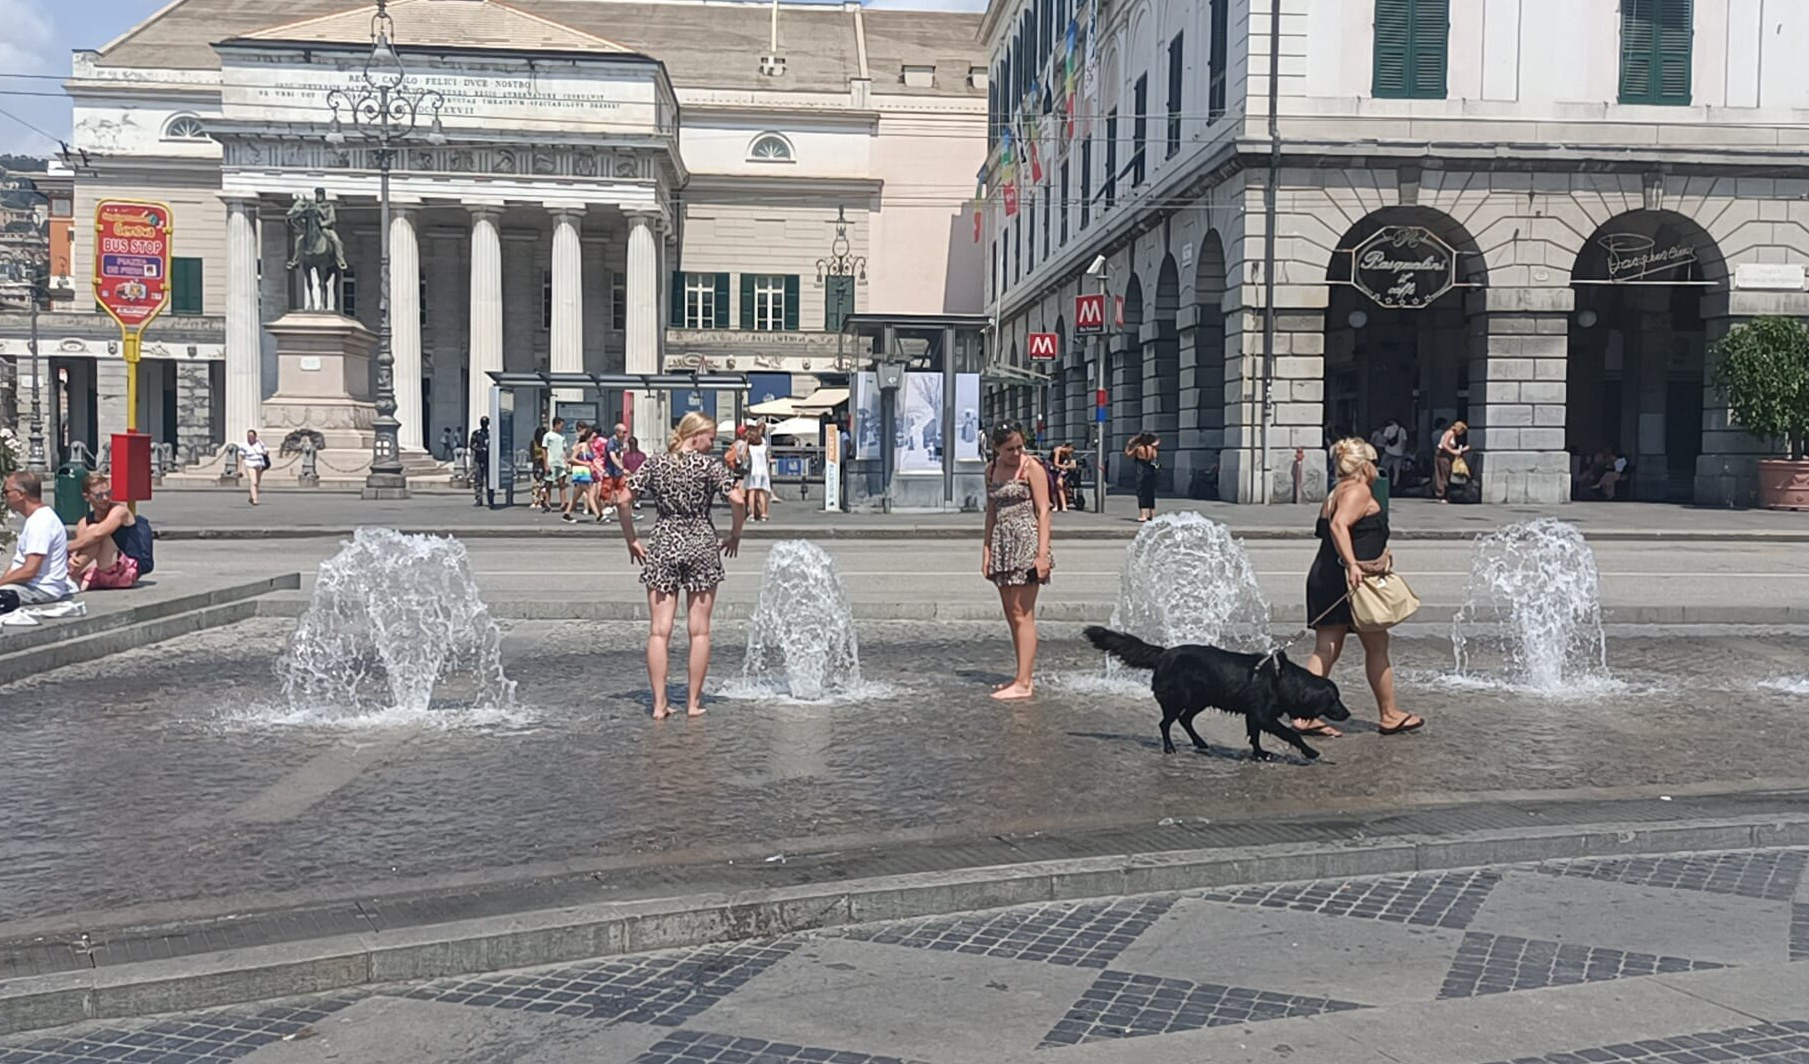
x: 318, y: 252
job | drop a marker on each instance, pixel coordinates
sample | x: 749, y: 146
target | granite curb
x: 579, y: 932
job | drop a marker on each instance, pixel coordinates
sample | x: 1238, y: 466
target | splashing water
x: 1534, y: 595
x: 393, y: 618
x: 801, y: 643
x: 1186, y: 579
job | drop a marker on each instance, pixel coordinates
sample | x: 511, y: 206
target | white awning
x: 807, y: 427
x: 775, y: 408
x: 821, y: 401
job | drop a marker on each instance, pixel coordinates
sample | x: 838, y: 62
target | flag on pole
x: 1032, y: 124
x: 979, y: 202
x: 1070, y: 66
x: 1008, y: 172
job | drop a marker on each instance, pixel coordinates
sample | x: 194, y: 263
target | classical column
x: 1519, y: 340
x: 486, y: 308
x: 568, y: 299
x: 405, y: 324
x: 642, y: 337
x: 244, y: 330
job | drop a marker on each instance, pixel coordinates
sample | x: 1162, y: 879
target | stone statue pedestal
x: 323, y: 383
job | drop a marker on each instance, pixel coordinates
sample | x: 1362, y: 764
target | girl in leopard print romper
x: 682, y: 551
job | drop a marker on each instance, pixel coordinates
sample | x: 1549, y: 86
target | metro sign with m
x: 1043, y: 347
x: 1089, y: 314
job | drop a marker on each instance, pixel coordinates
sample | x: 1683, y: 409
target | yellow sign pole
x: 131, y: 346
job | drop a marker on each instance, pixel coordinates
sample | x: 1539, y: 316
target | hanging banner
x: 1404, y: 267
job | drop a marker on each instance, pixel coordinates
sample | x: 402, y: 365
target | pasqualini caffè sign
x: 1403, y: 266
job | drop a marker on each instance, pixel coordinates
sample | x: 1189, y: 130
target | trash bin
x: 69, y: 504
x: 1380, y: 489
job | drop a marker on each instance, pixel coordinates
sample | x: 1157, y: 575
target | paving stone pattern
x: 1497, y: 964
x: 664, y: 989
x: 193, y: 1040
x: 1771, y: 1043
x: 1769, y: 875
x: 1799, y: 932
x: 1082, y: 936
x: 1444, y: 899
x: 1122, y: 1005
x: 696, y: 1047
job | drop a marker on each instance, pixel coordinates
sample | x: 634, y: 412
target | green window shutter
x: 722, y: 301
x: 185, y: 287
x: 791, y: 303
x: 1676, y: 32
x: 1427, y: 56
x: 676, y: 301
x: 1657, y: 51
x: 747, y: 302
x: 1394, y: 38
x: 1638, y: 43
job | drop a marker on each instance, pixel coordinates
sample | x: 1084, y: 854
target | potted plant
x: 1763, y: 371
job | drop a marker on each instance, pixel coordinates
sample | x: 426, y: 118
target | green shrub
x: 1763, y: 371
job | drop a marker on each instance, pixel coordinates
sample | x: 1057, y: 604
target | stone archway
x: 1397, y: 340
x: 1202, y: 342
x: 1127, y: 380
x: 1162, y: 370
x: 1636, y: 368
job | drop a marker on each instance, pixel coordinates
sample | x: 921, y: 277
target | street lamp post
x: 842, y: 262
x: 384, y: 112
x: 23, y: 264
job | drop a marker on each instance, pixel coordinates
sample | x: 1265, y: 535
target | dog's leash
x: 1314, y: 623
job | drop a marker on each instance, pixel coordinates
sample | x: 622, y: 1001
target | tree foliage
x: 1763, y: 370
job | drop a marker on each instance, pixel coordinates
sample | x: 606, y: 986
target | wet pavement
x: 164, y: 775
x: 1680, y: 959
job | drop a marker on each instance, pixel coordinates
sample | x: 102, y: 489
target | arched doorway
x: 1162, y: 371
x: 1203, y: 376
x: 1127, y: 380
x: 1635, y: 375
x: 1397, y: 343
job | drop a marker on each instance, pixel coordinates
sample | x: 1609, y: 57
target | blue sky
x: 40, y: 34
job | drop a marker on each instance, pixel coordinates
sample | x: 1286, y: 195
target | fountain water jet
x: 392, y: 617
x: 801, y: 643
x: 1534, y: 595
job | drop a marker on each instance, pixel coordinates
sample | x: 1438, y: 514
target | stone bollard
x: 310, y: 470
x: 461, y: 467
x: 229, y: 474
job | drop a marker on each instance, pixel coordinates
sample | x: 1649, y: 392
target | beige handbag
x: 1383, y: 599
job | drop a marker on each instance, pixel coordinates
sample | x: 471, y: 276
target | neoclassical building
x: 620, y: 186
x: 1535, y: 215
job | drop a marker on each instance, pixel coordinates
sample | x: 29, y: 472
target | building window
x: 348, y: 289
x: 1086, y: 182
x: 838, y: 300
x: 421, y: 300
x: 1064, y: 203
x: 1412, y: 39
x: 546, y: 300
x: 184, y: 127
x: 1139, y: 127
x: 185, y: 287
x: 1656, y: 51
x: 1048, y: 216
x: 769, y: 302
x: 1217, y: 60
x: 618, y: 301
x: 1109, y: 186
x: 1175, y: 75
x: 770, y: 148
x: 699, y: 301
x: 919, y: 77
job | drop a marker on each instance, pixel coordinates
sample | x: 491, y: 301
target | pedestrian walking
x: 632, y: 461
x: 758, y: 477
x: 537, y: 468
x: 682, y: 551
x: 583, y: 477
x: 1390, y: 441
x: 1061, y: 476
x: 1448, y: 452
x: 1352, y: 531
x: 1145, y: 449
x: 257, y: 459
x: 477, y: 461
x: 558, y: 472
x: 1016, y: 554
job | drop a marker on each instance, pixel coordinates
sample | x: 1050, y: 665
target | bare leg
x: 1020, y: 613
x: 697, y: 625
x: 662, y: 608
x: 1328, y: 646
x: 1380, y: 670
x: 256, y: 477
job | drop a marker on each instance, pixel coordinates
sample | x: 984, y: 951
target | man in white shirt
x: 39, y: 572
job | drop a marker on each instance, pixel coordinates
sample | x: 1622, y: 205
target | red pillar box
x: 131, y: 466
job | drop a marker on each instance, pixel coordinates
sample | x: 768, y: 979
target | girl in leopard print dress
x: 682, y: 551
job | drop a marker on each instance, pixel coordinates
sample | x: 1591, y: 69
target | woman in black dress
x: 1351, y: 530
x: 682, y: 552
x: 1145, y: 450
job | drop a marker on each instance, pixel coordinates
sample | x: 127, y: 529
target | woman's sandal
x: 1412, y: 723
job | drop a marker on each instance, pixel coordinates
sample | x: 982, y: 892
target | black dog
x: 1266, y: 690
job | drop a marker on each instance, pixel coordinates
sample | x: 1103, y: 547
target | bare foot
x: 661, y: 712
x: 696, y: 711
x: 1317, y: 727
x: 1014, y: 692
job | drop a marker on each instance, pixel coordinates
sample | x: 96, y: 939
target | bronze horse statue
x: 318, y: 252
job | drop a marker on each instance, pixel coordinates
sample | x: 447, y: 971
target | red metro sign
x: 132, y: 261
x: 1089, y: 314
x: 1043, y: 347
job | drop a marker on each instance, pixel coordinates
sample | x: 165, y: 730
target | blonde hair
x: 690, y: 425
x: 1460, y: 427
x: 1351, y: 455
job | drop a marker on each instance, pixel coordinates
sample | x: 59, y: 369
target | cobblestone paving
x: 1330, y: 966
